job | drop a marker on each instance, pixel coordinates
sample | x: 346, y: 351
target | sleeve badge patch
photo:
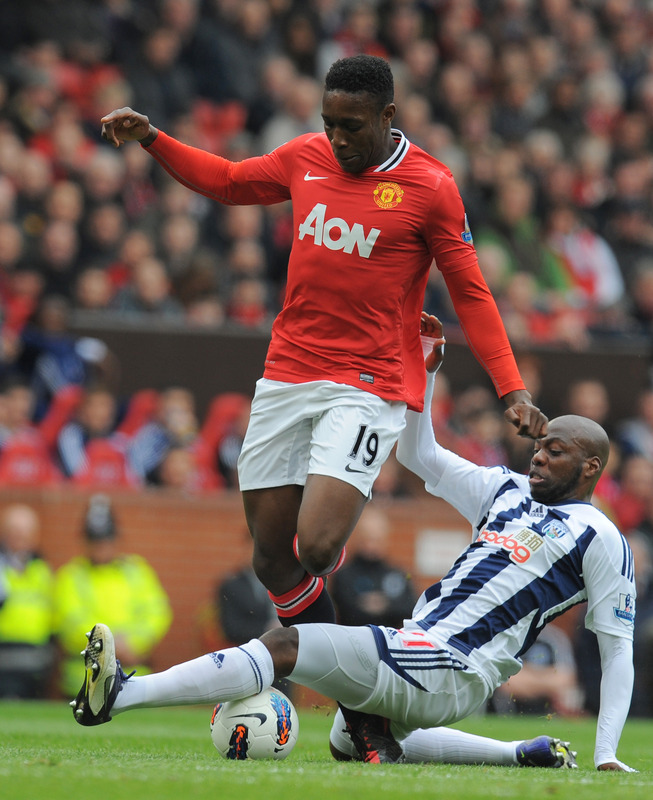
x: 466, y: 235
x: 626, y: 609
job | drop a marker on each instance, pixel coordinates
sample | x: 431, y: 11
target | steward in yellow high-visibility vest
x: 26, y: 606
x: 105, y: 584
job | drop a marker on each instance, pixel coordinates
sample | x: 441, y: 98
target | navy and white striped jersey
x: 527, y: 563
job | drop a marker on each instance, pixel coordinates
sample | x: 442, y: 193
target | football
x: 262, y: 726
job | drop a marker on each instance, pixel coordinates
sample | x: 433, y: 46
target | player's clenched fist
x: 127, y: 125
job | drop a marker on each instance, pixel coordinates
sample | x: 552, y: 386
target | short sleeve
x: 610, y: 582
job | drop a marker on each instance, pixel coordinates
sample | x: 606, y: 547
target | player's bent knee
x: 319, y: 559
x: 278, y: 576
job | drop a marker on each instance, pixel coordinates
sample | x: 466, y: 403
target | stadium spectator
x: 243, y: 607
x: 476, y: 430
x: 242, y: 610
x: 26, y: 606
x: 149, y: 293
x: 635, y: 434
x: 642, y: 297
x: 106, y: 576
x: 53, y: 357
x: 178, y: 243
x: 185, y: 472
x: 175, y: 426
x: 588, y: 397
x: 594, y: 280
x: 159, y: 80
x: 368, y: 588
x: 58, y: 257
x: 299, y: 114
x: 103, y: 232
x: 94, y: 290
x: 90, y: 448
x: 18, y: 411
x: 635, y: 489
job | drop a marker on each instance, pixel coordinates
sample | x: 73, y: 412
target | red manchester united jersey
x: 362, y: 248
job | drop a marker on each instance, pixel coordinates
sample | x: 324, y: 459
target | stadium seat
x: 25, y: 461
x: 223, y: 412
x: 141, y: 409
x: 106, y: 466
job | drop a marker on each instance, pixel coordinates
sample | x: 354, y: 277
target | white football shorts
x: 404, y: 675
x: 321, y: 428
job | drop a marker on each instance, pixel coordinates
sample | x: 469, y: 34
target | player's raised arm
x: 127, y: 125
x: 521, y: 412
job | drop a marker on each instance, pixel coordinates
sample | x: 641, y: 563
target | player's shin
x: 228, y: 674
x: 451, y: 746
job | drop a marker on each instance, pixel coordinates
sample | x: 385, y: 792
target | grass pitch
x: 167, y: 754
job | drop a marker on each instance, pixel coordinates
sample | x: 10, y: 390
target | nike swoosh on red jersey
x: 309, y: 177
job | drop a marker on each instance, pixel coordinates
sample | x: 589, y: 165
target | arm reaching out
x: 616, y: 691
x: 526, y: 417
x: 417, y: 449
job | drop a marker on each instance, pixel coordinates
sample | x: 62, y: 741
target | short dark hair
x: 362, y: 73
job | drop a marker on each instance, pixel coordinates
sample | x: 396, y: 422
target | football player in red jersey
x: 371, y: 212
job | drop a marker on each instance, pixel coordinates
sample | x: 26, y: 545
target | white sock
x: 212, y: 678
x: 450, y: 746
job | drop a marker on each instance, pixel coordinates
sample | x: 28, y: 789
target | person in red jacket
x: 371, y: 212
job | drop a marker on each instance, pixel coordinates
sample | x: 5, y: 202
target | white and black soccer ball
x: 262, y: 726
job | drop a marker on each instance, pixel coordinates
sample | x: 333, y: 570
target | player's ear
x: 593, y: 466
x: 389, y: 112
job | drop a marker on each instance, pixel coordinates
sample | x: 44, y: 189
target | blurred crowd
x: 542, y: 110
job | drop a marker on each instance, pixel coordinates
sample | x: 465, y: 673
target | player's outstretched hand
x: 433, y: 341
x: 126, y: 125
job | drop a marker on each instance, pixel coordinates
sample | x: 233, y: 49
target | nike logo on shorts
x: 309, y: 177
x: 349, y: 468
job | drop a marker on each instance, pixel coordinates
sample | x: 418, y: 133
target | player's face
x: 556, y: 468
x: 358, y: 132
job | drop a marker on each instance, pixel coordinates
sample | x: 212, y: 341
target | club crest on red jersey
x: 388, y: 195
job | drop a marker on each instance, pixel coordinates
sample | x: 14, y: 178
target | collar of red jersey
x: 399, y: 154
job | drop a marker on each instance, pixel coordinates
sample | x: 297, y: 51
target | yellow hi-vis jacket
x: 26, y: 615
x: 125, y: 594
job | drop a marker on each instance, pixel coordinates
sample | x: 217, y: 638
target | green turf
x: 167, y: 754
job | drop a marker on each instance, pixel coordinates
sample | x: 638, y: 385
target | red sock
x: 309, y: 601
x: 298, y: 599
